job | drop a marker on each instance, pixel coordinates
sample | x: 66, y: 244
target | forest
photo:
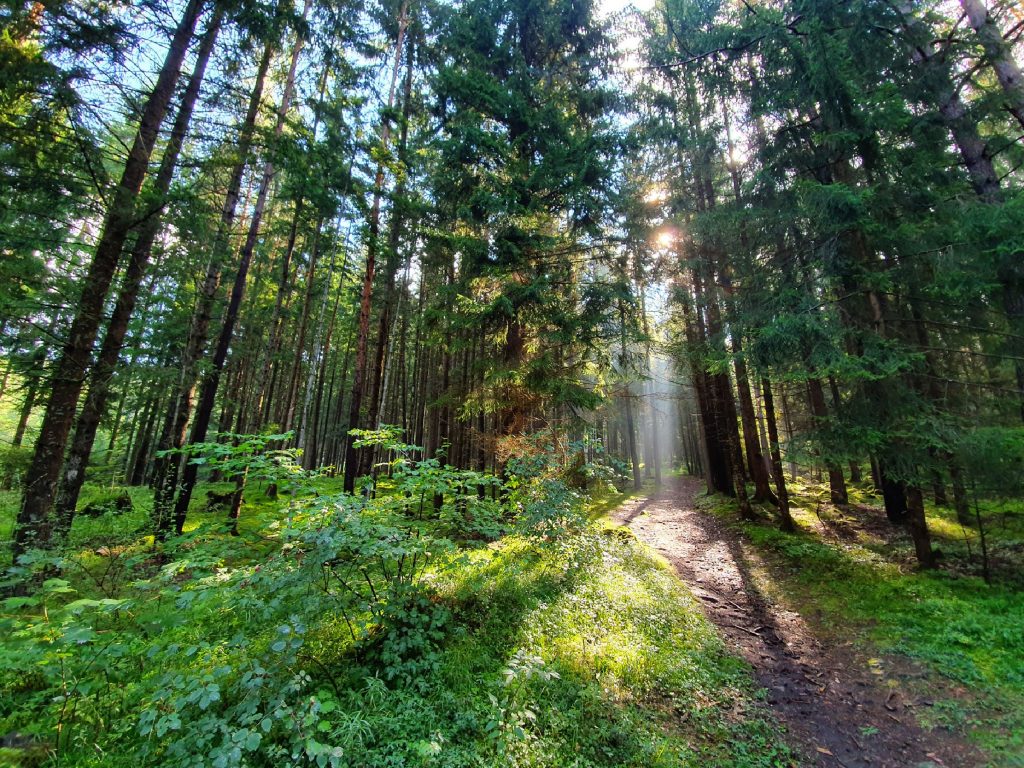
x: 512, y: 383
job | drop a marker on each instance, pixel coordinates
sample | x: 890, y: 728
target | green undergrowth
x: 356, y: 631
x: 642, y: 677
x: 956, y: 627
x: 605, y: 499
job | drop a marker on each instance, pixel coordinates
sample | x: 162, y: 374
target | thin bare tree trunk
x: 300, y: 340
x: 166, y: 471
x: 372, y: 246
x: 396, y: 225
x: 26, y: 412
x: 918, y: 527
x: 208, y: 391
x: 135, y: 469
x: 776, y: 455
x: 315, y: 366
x: 755, y: 459
x: 627, y: 401
x: 836, y: 481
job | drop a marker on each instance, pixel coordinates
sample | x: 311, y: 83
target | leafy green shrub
x: 542, y: 502
x: 414, y: 624
x: 466, y: 502
x: 64, y: 662
x: 253, y: 456
x: 254, y: 692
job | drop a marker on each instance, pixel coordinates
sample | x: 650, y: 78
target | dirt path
x: 827, y: 695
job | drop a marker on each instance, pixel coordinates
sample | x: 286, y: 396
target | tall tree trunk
x: 656, y: 459
x: 7, y: 374
x: 306, y: 439
x: 755, y: 459
x: 918, y: 527
x: 960, y: 502
x: 172, y: 436
x: 712, y: 444
x: 31, y: 393
x: 372, y: 246
x: 511, y: 415
x: 34, y: 523
x: 627, y: 401
x: 950, y: 106
x: 717, y: 389
x: 208, y: 390
x: 117, y: 421
x: 894, y: 495
x: 776, y: 454
x: 73, y: 473
x: 142, y: 401
x: 787, y: 420
x: 836, y: 482
x: 762, y: 429
x: 652, y: 394
x: 417, y: 366
x: 723, y: 400
x: 341, y: 438
x: 444, y: 416
x: 403, y: 371
x: 300, y: 339
x: 728, y: 414
x: 135, y: 470
x: 269, y: 375
x: 391, y: 263
x: 318, y: 426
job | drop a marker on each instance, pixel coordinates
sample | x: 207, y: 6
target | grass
x: 642, y: 679
x: 604, y: 500
x: 582, y: 650
x: 956, y: 627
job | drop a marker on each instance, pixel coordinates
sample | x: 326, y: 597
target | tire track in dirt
x: 826, y: 694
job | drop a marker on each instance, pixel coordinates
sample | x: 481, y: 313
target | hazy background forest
x: 325, y: 326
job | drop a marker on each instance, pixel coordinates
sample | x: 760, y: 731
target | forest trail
x: 840, y: 709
